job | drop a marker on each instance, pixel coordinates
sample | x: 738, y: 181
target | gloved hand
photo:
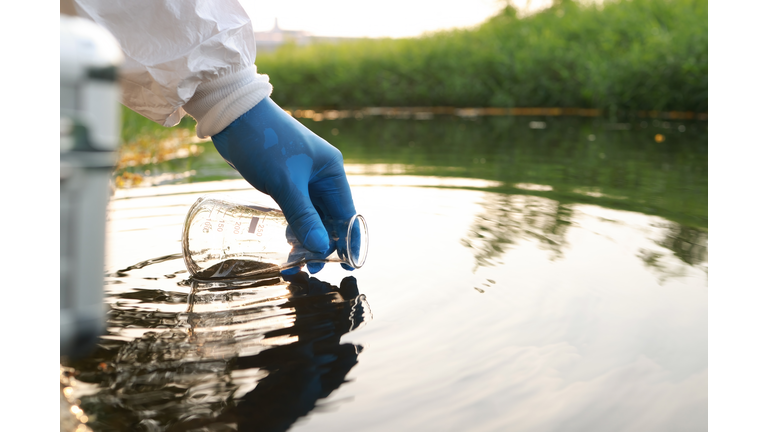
x: 302, y: 172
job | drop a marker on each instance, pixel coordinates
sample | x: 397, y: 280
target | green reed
x: 621, y: 55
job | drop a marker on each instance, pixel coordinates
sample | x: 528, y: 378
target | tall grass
x: 621, y: 55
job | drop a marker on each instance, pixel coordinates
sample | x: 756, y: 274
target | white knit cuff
x: 218, y: 103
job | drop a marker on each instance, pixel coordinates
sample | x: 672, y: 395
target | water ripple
x: 244, y: 352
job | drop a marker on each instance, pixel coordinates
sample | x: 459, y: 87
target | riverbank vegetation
x: 617, y: 56
x: 622, y: 55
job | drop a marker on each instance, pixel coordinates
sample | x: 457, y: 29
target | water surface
x: 518, y: 278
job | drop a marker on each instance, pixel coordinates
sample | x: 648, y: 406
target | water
x: 232, y: 268
x: 568, y: 292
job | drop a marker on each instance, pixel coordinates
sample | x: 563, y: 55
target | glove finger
x: 327, y: 223
x: 331, y: 194
x: 332, y: 197
x: 290, y: 271
x: 315, y: 267
x: 304, y: 220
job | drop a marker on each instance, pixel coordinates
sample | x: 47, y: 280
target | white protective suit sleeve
x: 184, y: 56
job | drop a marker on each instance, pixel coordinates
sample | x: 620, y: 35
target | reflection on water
x: 524, y: 279
x: 523, y: 313
x: 574, y: 160
x: 689, y: 245
x: 507, y: 219
x: 255, y: 356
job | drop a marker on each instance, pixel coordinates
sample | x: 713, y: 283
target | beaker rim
x: 357, y: 262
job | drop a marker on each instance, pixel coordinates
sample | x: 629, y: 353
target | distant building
x: 267, y: 41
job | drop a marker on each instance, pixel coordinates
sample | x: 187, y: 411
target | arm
x: 197, y: 57
x: 190, y: 56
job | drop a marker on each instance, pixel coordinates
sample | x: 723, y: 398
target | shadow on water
x: 258, y: 355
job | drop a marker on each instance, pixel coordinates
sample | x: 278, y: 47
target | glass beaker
x: 228, y: 238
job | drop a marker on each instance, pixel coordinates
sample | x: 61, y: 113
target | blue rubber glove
x: 302, y: 172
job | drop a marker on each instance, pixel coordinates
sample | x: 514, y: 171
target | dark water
x: 229, y: 269
x: 544, y: 281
